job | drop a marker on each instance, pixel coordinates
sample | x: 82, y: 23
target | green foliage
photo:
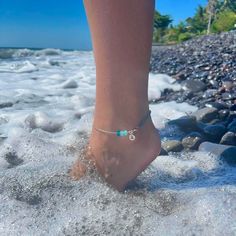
x: 171, y: 35
x: 225, y: 21
x: 222, y: 18
x: 198, y: 22
x: 184, y: 36
x: 161, y: 21
x: 228, y: 4
x: 160, y: 24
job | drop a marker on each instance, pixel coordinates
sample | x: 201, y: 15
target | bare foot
x: 120, y: 160
x: 83, y: 165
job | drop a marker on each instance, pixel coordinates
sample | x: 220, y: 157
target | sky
x: 63, y: 23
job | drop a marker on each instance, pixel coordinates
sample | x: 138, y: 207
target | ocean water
x: 46, y: 110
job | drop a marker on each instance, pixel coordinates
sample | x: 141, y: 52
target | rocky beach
x: 205, y: 68
x: 47, y: 102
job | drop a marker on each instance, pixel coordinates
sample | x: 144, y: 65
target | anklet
x: 131, y: 133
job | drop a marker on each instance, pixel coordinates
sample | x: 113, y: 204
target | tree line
x: 216, y: 17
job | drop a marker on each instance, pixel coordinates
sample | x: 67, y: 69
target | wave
x: 9, y: 53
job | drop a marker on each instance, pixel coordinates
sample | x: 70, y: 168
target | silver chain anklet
x: 130, y: 133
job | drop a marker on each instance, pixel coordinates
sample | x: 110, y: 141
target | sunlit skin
x: 122, y: 37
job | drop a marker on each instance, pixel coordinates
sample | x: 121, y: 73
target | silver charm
x: 131, y: 135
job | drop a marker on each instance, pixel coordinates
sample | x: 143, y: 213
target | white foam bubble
x: 159, y: 82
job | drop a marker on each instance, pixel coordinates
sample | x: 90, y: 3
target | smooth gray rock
x: 163, y: 152
x: 223, y: 114
x: 206, y: 114
x: 172, y: 146
x: 229, y: 139
x: 69, y: 84
x: 192, y: 141
x: 185, y: 123
x: 226, y: 153
x: 194, y: 85
x: 217, y: 105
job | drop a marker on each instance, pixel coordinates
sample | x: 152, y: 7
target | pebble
x: 232, y: 126
x: 194, y: 85
x: 227, y: 153
x: 206, y: 114
x: 217, y: 105
x: 192, y: 141
x: 69, y: 84
x: 229, y: 139
x: 223, y: 114
x: 186, y: 123
x: 163, y: 152
x: 215, y: 132
x: 210, y: 93
x: 233, y: 107
x: 172, y: 146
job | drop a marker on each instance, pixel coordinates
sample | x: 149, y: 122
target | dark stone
x: 213, y: 83
x: 180, y: 76
x: 233, y: 107
x: 172, y: 146
x: 217, y: 105
x: 206, y: 114
x: 229, y: 139
x: 229, y: 156
x: 192, y: 141
x: 194, y: 85
x: 227, y: 85
x: 215, y: 121
x: 201, y: 126
x: 223, y: 114
x: 228, y: 96
x: 210, y: 93
x: 232, y: 126
x: 185, y: 123
x: 231, y: 118
x: 187, y: 94
x: 214, y: 132
x: 163, y: 152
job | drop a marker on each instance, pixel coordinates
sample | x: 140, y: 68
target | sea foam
x: 44, y: 129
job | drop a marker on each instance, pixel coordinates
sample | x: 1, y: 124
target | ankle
x: 125, y: 119
x: 143, y: 136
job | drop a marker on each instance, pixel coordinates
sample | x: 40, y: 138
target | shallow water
x: 49, y: 100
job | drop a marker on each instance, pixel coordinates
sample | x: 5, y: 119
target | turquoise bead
x: 125, y: 133
x: 121, y: 133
